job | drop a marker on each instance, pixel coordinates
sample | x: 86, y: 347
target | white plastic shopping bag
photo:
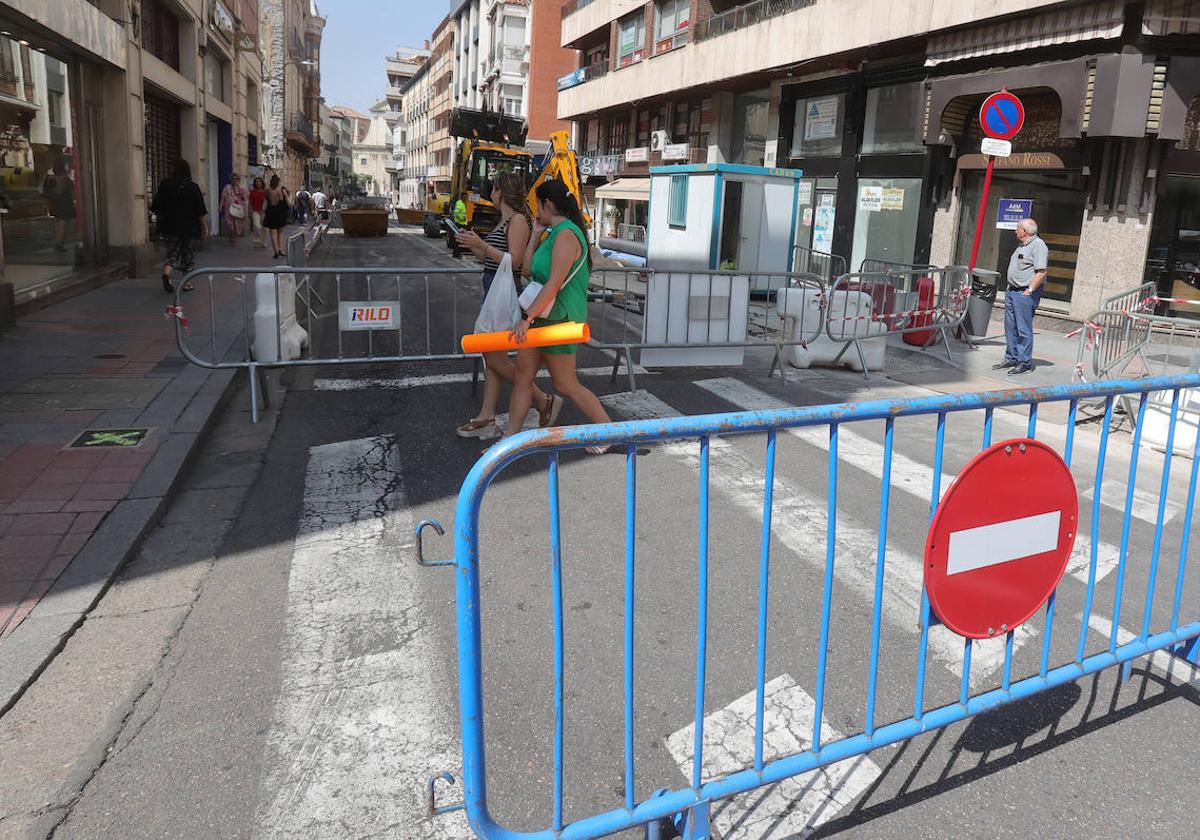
x: 500, y: 311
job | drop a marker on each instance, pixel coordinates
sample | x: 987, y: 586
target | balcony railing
x: 747, y: 14
x: 301, y: 124
x: 514, y: 53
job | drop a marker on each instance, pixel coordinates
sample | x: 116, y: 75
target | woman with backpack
x: 275, y: 218
x: 182, y: 218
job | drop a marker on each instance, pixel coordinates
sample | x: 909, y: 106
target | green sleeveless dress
x: 571, y: 303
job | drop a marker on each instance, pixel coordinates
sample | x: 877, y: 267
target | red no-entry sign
x: 1000, y: 540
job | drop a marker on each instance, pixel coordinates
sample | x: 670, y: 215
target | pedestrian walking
x: 303, y: 200
x: 275, y: 217
x: 1026, y: 281
x: 234, y: 204
x: 562, y: 263
x: 258, y: 201
x: 510, y: 236
x: 182, y: 218
x: 321, y: 204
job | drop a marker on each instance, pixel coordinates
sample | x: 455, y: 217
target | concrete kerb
x: 31, y: 647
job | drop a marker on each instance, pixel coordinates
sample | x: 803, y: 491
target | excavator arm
x: 560, y: 165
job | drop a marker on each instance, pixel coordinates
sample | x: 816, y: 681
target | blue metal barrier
x: 1179, y: 637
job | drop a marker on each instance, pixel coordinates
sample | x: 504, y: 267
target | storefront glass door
x: 1056, y: 200
x: 885, y: 226
x: 1174, y: 258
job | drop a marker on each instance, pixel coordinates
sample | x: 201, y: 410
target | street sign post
x: 1001, y: 537
x: 1001, y: 117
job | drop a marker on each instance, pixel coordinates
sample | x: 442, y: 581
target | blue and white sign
x: 571, y: 79
x: 1012, y: 210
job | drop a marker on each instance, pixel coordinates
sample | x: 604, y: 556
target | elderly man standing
x: 1026, y: 281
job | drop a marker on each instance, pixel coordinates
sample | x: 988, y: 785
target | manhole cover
x: 97, y: 438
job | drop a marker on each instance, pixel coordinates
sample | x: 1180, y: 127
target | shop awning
x: 1080, y: 23
x: 1171, y: 17
x: 631, y: 189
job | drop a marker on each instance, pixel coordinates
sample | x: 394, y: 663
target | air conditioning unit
x: 658, y: 141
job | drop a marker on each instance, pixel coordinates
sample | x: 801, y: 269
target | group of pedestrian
x: 182, y: 215
x: 552, y: 250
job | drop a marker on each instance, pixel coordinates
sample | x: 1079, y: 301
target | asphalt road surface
x: 306, y: 685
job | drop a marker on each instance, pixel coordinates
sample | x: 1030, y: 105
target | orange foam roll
x: 569, y: 332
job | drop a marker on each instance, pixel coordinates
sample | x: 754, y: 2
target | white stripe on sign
x: 436, y: 379
x: 1002, y: 542
x: 799, y: 526
x: 364, y: 712
x: 791, y: 808
x: 904, y: 579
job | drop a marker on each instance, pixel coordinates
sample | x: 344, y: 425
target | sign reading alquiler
x: 368, y: 314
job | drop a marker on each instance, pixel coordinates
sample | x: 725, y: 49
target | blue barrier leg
x: 1158, y: 523
x: 1095, y: 533
x: 764, y: 574
x: 1131, y: 483
x: 880, y: 557
x: 630, y: 554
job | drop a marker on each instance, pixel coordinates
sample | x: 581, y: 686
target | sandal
x: 548, y: 413
x: 477, y: 428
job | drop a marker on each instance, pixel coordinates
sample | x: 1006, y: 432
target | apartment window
x: 160, y: 32
x: 618, y: 134
x: 362, y: 161
x: 252, y: 150
x: 677, y: 202
x: 54, y: 105
x: 671, y: 26
x: 649, y: 122
x: 631, y: 41
x: 252, y: 101
x: 217, y: 76
x: 511, y: 96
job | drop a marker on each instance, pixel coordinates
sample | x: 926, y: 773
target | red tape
x: 174, y: 311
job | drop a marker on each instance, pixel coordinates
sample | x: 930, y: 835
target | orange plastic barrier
x: 570, y: 332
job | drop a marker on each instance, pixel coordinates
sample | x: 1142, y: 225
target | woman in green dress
x: 561, y: 262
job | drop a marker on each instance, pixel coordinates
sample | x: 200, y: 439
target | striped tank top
x: 497, y: 237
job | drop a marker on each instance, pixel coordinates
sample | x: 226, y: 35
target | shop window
x: 894, y: 119
x: 677, y: 202
x: 817, y: 131
x: 885, y: 224
x: 631, y: 39
x: 160, y: 32
x: 44, y: 230
x: 671, y: 24
x: 1173, y: 261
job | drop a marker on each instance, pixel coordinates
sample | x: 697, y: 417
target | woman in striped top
x: 510, y: 236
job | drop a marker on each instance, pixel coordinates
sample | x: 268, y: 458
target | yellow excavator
x: 490, y: 143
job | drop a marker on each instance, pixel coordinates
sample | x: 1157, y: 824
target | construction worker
x: 460, y: 219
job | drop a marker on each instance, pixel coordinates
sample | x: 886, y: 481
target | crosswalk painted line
x: 799, y: 525
x: 363, y: 715
x: 908, y: 475
x: 404, y: 382
x: 1145, y: 502
x: 791, y: 808
x: 1174, y: 669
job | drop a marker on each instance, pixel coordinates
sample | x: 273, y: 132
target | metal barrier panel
x: 826, y: 266
x: 296, y: 316
x: 1160, y: 619
x: 874, y: 305
x: 701, y: 309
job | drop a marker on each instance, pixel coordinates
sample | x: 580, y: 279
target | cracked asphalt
x: 212, y: 692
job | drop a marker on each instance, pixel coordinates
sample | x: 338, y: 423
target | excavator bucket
x: 488, y: 126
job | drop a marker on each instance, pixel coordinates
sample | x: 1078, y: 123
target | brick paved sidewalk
x: 104, y: 360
